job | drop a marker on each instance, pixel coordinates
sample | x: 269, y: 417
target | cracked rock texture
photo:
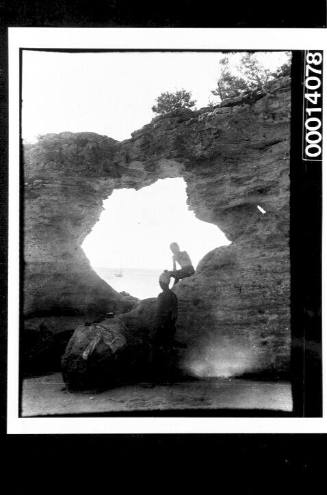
x: 234, y: 313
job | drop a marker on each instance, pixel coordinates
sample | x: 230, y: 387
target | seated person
x: 183, y: 259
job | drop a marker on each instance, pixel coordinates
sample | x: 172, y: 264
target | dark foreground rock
x: 119, y: 350
x: 42, y: 349
x: 97, y: 355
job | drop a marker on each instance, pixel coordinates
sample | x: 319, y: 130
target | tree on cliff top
x: 249, y: 76
x: 169, y: 102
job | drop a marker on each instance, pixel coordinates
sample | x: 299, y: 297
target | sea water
x: 138, y: 282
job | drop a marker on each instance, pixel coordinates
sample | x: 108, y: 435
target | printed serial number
x: 313, y: 106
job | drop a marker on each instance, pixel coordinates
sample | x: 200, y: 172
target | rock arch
x: 233, y: 158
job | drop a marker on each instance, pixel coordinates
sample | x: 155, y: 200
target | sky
x: 136, y: 228
x: 112, y: 93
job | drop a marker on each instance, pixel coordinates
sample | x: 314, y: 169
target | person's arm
x: 187, y: 258
x: 174, y: 263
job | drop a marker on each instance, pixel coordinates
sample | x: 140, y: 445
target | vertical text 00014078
x: 312, y: 106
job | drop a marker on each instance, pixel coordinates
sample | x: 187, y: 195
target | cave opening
x: 129, y: 245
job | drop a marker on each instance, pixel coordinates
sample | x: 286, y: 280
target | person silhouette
x: 163, y: 358
x: 167, y: 308
x: 184, y: 260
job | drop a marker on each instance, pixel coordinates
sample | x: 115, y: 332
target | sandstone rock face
x: 119, y: 350
x: 234, y: 313
x: 95, y: 355
x: 63, y: 200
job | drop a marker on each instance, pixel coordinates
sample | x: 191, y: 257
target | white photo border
x: 157, y: 39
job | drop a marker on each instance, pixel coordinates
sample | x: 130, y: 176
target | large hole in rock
x: 129, y: 246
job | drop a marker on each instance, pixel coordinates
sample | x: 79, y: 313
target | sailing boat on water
x: 119, y: 273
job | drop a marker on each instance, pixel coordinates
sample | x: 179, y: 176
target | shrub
x: 169, y: 102
x: 251, y: 75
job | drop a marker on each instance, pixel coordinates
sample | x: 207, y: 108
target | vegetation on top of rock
x: 250, y: 76
x: 169, y: 102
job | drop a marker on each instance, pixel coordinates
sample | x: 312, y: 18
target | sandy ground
x: 47, y: 396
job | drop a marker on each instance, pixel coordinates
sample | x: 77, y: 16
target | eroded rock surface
x: 234, y: 313
x: 119, y: 350
x: 95, y: 355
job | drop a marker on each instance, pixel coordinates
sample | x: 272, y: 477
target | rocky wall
x: 234, y: 313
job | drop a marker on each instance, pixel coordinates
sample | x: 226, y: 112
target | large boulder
x: 94, y: 354
x: 111, y: 351
x: 119, y: 350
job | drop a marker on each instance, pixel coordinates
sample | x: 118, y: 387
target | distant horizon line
x: 128, y: 267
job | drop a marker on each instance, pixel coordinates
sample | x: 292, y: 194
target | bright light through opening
x: 129, y: 246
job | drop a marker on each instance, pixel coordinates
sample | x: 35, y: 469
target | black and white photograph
x: 155, y: 190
